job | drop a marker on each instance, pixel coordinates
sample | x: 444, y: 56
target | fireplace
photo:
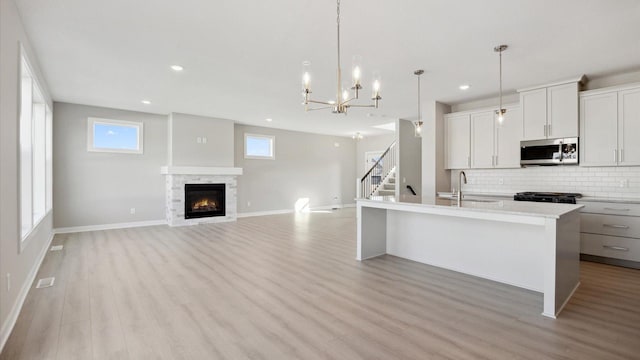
x: 204, y: 200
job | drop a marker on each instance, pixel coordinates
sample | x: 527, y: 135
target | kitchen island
x: 535, y: 246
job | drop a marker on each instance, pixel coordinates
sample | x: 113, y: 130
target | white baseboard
x: 74, y: 229
x: 10, y: 322
x: 289, y: 211
x: 264, y: 213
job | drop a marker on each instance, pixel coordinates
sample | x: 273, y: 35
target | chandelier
x: 344, y: 98
x: 501, y: 111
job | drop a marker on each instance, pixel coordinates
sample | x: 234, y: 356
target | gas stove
x: 553, y: 197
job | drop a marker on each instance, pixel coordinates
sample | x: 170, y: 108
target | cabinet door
x: 457, y: 142
x: 598, y: 129
x: 629, y: 127
x: 508, y: 136
x: 482, y: 130
x: 534, y: 114
x: 562, y: 111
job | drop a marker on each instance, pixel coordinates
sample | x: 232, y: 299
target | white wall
x: 434, y: 176
x: 305, y: 166
x: 95, y: 188
x: 184, y: 149
x: 409, y: 159
x: 589, y: 181
x: 21, y: 265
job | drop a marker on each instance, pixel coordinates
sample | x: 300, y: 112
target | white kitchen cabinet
x: 482, y: 139
x: 550, y: 112
x: 599, y: 129
x: 489, y: 143
x: 457, y: 141
x: 609, y: 124
x: 629, y: 127
x: 508, y: 136
x: 534, y: 114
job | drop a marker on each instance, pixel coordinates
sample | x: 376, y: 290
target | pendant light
x: 418, y: 124
x: 501, y: 111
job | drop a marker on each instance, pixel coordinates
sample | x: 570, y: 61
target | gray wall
x: 184, y: 150
x: 373, y: 143
x: 305, y: 166
x: 409, y: 158
x: 434, y: 176
x: 92, y: 188
x: 12, y: 261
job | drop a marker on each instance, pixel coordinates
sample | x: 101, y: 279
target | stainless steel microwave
x: 549, y: 152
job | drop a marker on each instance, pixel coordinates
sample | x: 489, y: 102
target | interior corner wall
x: 305, y: 166
x: 409, y: 159
x: 370, y: 144
x: 434, y: 175
x: 98, y: 188
x: 21, y: 265
x: 200, y: 141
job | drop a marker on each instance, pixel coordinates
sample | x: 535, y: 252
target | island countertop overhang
x: 499, y: 210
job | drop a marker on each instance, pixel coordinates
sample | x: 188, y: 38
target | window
x: 104, y: 135
x: 259, y: 146
x: 35, y: 151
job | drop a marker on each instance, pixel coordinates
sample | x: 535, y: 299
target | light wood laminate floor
x: 288, y: 287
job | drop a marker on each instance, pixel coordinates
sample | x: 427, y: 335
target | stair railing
x: 374, y: 178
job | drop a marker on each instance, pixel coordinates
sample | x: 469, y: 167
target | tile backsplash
x: 615, y: 182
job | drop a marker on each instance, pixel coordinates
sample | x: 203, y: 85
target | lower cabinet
x: 611, y: 231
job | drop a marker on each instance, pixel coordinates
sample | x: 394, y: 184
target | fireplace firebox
x: 204, y: 200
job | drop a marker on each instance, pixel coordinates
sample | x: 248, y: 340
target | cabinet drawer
x: 610, y: 208
x: 610, y: 246
x: 628, y: 226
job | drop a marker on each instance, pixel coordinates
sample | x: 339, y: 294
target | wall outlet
x: 204, y: 140
x: 624, y: 183
x: 404, y: 180
x: 199, y: 140
x: 501, y: 181
x: 8, y: 282
x: 132, y: 211
x: 248, y: 203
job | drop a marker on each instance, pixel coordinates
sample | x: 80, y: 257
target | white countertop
x: 495, y: 207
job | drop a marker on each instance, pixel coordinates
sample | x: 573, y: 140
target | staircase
x: 380, y: 179
x: 388, y: 187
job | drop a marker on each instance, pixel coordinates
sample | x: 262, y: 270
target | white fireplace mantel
x: 200, y: 170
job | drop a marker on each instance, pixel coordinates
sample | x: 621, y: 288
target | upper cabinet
x: 476, y: 139
x: 551, y: 111
x: 457, y: 141
x: 609, y: 120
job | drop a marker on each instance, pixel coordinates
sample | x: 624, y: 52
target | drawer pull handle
x: 616, y: 226
x: 619, y: 248
x: 614, y: 209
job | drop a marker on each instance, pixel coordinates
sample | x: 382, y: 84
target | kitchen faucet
x: 461, y: 176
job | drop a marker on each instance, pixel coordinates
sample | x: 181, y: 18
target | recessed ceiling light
x: 464, y: 87
x: 269, y: 120
x: 146, y: 102
x: 176, y: 68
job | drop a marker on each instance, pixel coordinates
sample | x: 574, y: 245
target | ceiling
x: 243, y: 59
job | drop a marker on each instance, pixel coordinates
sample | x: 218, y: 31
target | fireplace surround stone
x: 177, y: 177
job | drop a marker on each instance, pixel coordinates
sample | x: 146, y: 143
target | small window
x: 259, y: 146
x: 104, y: 135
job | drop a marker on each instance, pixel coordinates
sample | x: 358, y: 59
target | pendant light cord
x: 500, y: 83
x: 419, y: 113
